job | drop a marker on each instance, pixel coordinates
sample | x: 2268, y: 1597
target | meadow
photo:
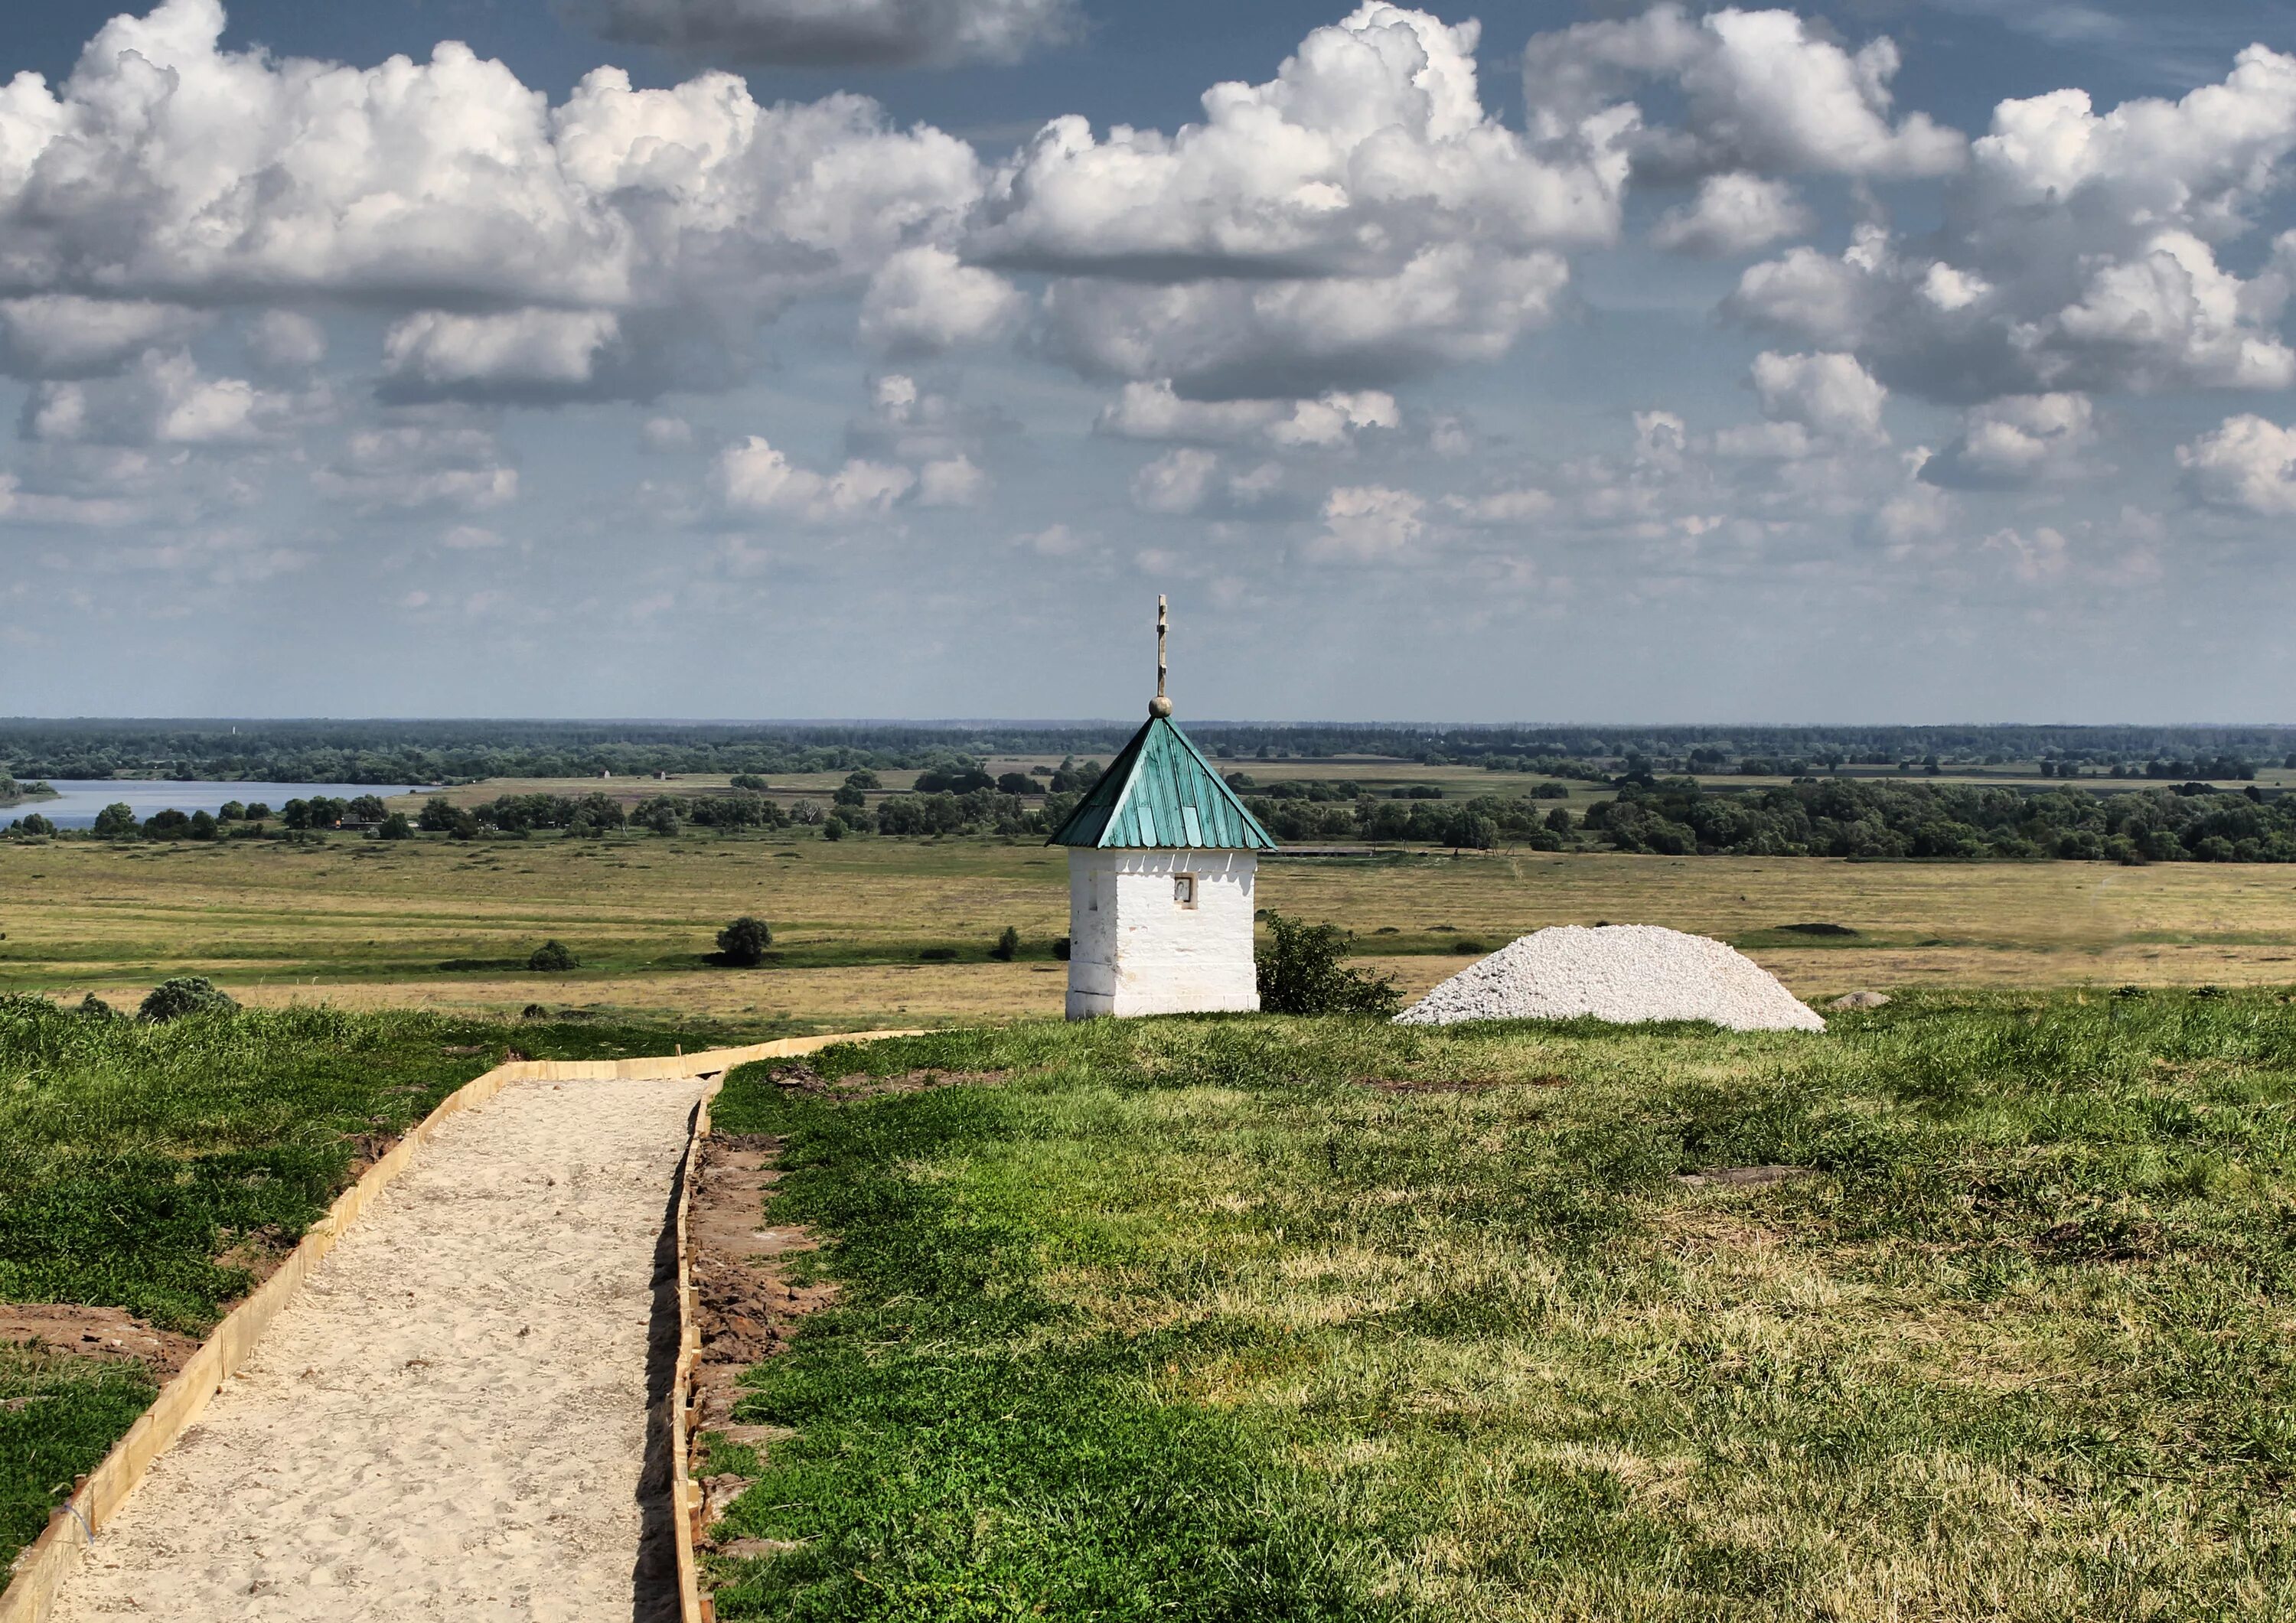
x: 1976, y: 1308
x: 869, y: 930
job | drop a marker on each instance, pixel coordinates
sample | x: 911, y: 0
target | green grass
x: 1180, y: 1319
x: 59, y: 1415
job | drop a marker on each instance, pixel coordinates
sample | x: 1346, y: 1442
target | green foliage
x: 396, y: 827
x: 743, y: 942
x: 181, y: 997
x: 116, y: 821
x: 1008, y: 946
x: 92, y: 1007
x: 553, y: 956
x: 30, y: 826
x: 1300, y: 972
x: 751, y: 781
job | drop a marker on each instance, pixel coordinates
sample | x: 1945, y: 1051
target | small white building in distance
x: 1162, y: 857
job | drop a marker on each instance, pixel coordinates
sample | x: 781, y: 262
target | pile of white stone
x: 1622, y: 973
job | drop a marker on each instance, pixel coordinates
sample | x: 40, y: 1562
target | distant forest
x: 464, y: 752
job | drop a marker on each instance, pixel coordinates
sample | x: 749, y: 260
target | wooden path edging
x: 39, y: 1571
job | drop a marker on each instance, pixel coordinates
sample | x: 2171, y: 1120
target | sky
x: 755, y: 359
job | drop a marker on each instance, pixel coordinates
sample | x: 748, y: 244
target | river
x: 78, y: 799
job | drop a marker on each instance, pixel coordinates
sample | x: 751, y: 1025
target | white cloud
x: 2017, y: 440
x: 1760, y: 92
x: 2079, y: 253
x: 166, y: 168
x: 285, y: 341
x: 415, y: 466
x: 751, y: 476
x: 952, y: 482
x: 1055, y: 541
x: 1831, y: 395
x: 1176, y: 482
x: 1733, y: 214
x: 2036, y: 558
x: 541, y: 352
x: 1356, y: 218
x: 924, y: 300
x: 853, y: 33
x: 63, y: 335
x: 1153, y: 412
x: 911, y: 422
x: 2247, y: 462
x: 1369, y: 524
x: 1503, y: 508
x: 666, y: 434
x: 470, y: 538
x: 164, y: 399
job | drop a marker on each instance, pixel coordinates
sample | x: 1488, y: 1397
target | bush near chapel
x: 1299, y: 972
x: 185, y: 995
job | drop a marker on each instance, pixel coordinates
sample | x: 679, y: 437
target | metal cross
x: 1161, y: 705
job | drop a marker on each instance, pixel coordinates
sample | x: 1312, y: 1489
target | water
x: 81, y: 799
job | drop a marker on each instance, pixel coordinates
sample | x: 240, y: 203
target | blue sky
x: 759, y: 358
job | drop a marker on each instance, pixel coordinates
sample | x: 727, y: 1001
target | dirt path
x: 451, y: 1420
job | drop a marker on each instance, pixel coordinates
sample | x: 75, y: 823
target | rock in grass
x: 1622, y: 973
x: 1860, y: 1000
x: 183, y: 995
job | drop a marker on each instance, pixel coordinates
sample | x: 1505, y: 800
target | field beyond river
x: 870, y: 930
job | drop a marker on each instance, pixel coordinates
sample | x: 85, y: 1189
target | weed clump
x: 183, y: 995
x: 552, y: 957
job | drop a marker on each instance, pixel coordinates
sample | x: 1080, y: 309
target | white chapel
x: 1162, y: 857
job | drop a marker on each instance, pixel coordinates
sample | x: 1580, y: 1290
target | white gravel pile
x: 1622, y: 973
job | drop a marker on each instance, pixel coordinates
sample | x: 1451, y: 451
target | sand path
x: 451, y: 1420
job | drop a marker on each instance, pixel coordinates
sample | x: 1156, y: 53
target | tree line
x: 381, y: 752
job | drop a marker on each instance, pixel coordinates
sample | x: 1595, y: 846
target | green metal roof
x: 1160, y: 792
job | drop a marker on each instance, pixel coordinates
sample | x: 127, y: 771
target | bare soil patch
x: 98, y: 1333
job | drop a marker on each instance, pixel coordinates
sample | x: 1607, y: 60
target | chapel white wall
x: 1140, y: 951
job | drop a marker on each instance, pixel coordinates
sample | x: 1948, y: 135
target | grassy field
x: 158, y: 1170
x: 367, y: 924
x: 1210, y: 1319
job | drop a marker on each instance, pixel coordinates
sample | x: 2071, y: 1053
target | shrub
x: 92, y: 1007
x: 742, y: 943
x: 1017, y: 783
x: 116, y: 821
x: 1299, y: 972
x: 751, y: 781
x: 396, y: 827
x: 184, y: 995
x: 1008, y: 946
x: 553, y: 956
x: 32, y: 823
x: 833, y: 828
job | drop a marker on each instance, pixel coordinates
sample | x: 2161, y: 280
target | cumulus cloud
x: 952, y: 482
x: 751, y: 476
x: 166, y: 169
x: 666, y: 434
x: 1369, y: 524
x: 64, y: 335
x: 163, y: 399
x: 1501, y: 509
x: 847, y: 33
x: 1154, y: 412
x: 2017, y: 440
x: 285, y: 341
x: 911, y: 422
x: 415, y: 466
x: 1356, y: 218
x: 1733, y: 214
x: 2079, y: 253
x: 2037, y: 559
x: 2246, y: 463
x: 1190, y: 479
x: 1760, y: 93
x: 435, y: 354
x: 1830, y: 395
x: 924, y: 300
